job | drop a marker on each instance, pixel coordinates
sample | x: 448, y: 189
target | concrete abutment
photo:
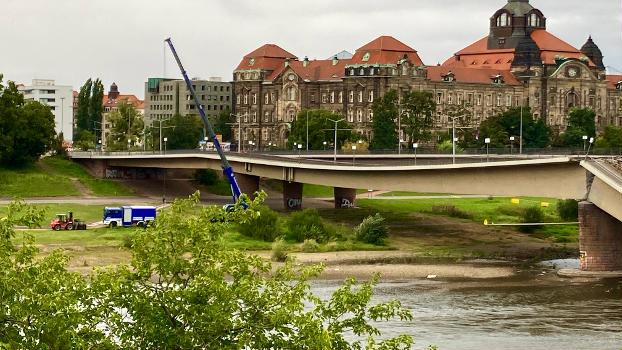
x: 292, y: 195
x: 600, y: 239
x: 344, y: 197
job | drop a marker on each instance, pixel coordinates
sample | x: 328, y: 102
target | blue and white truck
x: 129, y: 215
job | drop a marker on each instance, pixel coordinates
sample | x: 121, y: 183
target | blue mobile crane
x: 226, y: 168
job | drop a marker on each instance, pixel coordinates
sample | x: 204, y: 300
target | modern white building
x: 60, y: 100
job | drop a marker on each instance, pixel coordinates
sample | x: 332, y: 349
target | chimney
x: 287, y: 62
x: 335, y: 60
x: 305, y: 62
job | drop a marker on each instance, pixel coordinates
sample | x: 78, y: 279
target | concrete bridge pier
x: 249, y: 184
x: 344, y: 197
x: 292, y: 195
x: 600, y: 239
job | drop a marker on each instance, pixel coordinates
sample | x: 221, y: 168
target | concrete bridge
x: 598, y: 185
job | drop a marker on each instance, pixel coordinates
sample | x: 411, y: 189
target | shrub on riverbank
x: 266, y: 226
x: 372, y: 230
x: 531, y: 215
x: 306, y: 224
x: 568, y: 209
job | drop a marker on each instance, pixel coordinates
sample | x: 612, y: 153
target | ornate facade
x: 518, y: 64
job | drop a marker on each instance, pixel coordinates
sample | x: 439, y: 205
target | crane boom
x: 226, y: 168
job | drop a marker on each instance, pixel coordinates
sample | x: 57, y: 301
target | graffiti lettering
x: 293, y: 203
x: 345, y: 203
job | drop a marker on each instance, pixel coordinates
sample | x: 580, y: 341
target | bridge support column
x: 292, y: 195
x: 600, y: 239
x: 344, y: 197
x: 249, y: 184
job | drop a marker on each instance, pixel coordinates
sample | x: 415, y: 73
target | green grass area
x: 88, y: 213
x: 403, y: 193
x: 498, y: 210
x: 100, y: 187
x: 221, y: 188
x: 99, y: 237
x: 32, y: 181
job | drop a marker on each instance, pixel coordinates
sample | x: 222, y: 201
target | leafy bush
x: 531, y: 215
x: 264, y: 227
x: 568, y: 209
x: 278, y: 250
x: 310, y: 246
x: 372, y: 230
x: 451, y: 210
x: 447, y: 147
x: 306, y: 224
x: 206, y: 177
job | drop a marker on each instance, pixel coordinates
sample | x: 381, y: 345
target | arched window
x: 534, y: 20
x: 504, y: 20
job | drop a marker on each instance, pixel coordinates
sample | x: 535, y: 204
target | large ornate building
x: 518, y: 64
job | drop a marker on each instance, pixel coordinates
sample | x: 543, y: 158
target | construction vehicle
x: 128, y: 215
x: 226, y: 168
x: 67, y: 222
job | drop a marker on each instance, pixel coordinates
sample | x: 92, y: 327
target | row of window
x: 476, y: 100
x: 327, y: 97
x: 371, y: 71
x: 505, y: 20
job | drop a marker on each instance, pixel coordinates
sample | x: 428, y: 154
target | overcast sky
x: 122, y: 40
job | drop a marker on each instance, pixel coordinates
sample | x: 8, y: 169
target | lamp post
x: 353, y: 154
x: 99, y: 142
x: 307, y: 139
x: 299, y: 148
x: 453, y: 140
x: 588, y: 147
x: 324, y: 144
x: 511, y: 144
x: 520, y: 138
x: 165, y: 139
x: 239, y: 130
x: 205, y: 144
x: 584, y: 140
x: 269, y: 146
x: 335, y: 144
x: 129, y: 142
x: 415, y: 146
x: 62, y: 116
x: 487, y: 141
x: 250, y: 148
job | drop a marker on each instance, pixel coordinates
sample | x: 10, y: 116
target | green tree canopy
x: 126, y: 124
x: 26, y: 127
x: 182, y: 131
x: 581, y: 122
x: 384, y: 123
x: 222, y: 124
x: 182, y: 290
x: 90, y: 108
x: 536, y: 134
x: 418, y: 108
x: 611, y: 138
x: 321, y: 129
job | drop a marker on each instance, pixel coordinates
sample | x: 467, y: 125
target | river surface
x: 533, y: 310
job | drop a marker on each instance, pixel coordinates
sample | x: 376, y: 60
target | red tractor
x: 67, y: 222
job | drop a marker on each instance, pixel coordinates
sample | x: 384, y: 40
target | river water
x: 533, y: 310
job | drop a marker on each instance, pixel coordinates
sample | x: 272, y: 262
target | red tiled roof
x: 385, y: 50
x: 267, y: 57
x: 477, y: 55
x: 315, y: 70
x: 107, y: 102
x: 471, y: 75
x: 612, y: 80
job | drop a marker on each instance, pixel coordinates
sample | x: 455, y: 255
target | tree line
x: 182, y: 290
